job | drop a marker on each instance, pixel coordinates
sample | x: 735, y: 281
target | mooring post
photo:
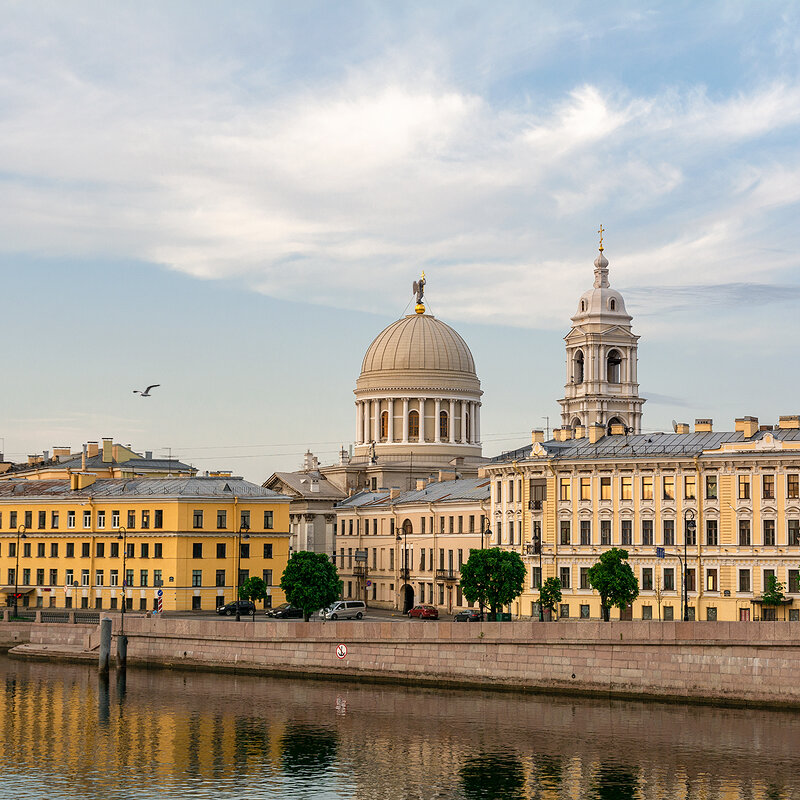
x: 122, y: 650
x: 105, y: 644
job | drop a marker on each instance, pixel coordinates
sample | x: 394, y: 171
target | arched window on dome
x: 413, y: 425
x: 614, y: 367
x: 444, y: 426
x: 384, y: 425
x: 612, y: 304
x: 577, y: 367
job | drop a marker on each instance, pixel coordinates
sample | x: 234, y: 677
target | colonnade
x: 368, y: 420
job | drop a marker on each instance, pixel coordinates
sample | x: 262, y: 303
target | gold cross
x: 601, y: 236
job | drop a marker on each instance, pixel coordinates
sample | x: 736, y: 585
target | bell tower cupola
x: 602, y: 385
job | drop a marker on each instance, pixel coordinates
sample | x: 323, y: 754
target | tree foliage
x: 773, y: 592
x: 253, y: 589
x: 311, y: 582
x: 492, y: 577
x: 550, y: 594
x: 613, y: 579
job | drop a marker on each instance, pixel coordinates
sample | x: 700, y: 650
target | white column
x: 359, y: 422
x: 376, y: 429
x: 391, y: 420
x: 464, y: 407
x: 436, y: 429
x: 365, y: 415
x: 477, y: 423
x: 451, y: 423
x: 422, y: 419
x: 405, y: 420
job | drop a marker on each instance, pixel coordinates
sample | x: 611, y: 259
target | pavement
x: 374, y: 614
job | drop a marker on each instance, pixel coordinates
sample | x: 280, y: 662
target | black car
x: 468, y: 615
x: 245, y: 607
x: 285, y: 611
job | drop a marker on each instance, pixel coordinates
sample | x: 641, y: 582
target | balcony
x: 447, y: 575
x: 535, y: 505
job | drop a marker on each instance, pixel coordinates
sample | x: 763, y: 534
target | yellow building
x: 397, y: 549
x: 71, y: 543
x: 725, y: 503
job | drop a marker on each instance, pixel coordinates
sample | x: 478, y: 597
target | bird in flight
x: 146, y: 392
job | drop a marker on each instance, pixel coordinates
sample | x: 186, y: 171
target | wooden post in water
x: 105, y: 644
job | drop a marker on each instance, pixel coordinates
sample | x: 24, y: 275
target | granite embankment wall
x: 736, y: 662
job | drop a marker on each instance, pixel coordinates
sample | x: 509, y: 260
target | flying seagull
x: 146, y: 392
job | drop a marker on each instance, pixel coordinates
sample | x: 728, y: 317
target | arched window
x: 384, y: 426
x: 407, y: 527
x: 576, y: 423
x: 443, y: 425
x: 577, y: 367
x: 583, y: 305
x: 614, y: 367
x: 612, y: 304
x: 614, y: 421
x: 413, y: 425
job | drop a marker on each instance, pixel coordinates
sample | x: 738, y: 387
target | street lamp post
x: 123, y: 535
x: 689, y: 525
x: 487, y: 531
x: 20, y: 535
x: 537, y: 547
x: 242, y: 529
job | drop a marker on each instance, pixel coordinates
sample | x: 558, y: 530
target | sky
x: 233, y: 199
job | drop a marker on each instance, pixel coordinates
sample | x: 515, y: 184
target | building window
x: 647, y: 487
x: 98, y: 577
x: 647, y: 579
x: 711, y: 580
x: 744, y: 532
x: 40, y: 577
x: 691, y: 584
x: 565, y: 573
x: 131, y: 520
x: 768, y: 487
x: 794, y: 581
x: 244, y: 550
x: 101, y: 519
x: 268, y: 550
x: 669, y: 579
x: 744, y: 487
x: 70, y: 549
x: 268, y: 520
x: 690, y: 531
x: 605, y: 488
x: 563, y: 611
x: 769, y: 532
x: 129, y: 578
x: 626, y: 488
x: 647, y: 532
x: 222, y: 520
x: 690, y: 487
x: 158, y: 518
x: 793, y: 486
x: 40, y: 550
x: 54, y: 577
x: 536, y: 578
x: 605, y: 532
x: 129, y: 548
x: 668, y: 484
x: 614, y: 367
x: 197, y: 518
x: 70, y: 519
x: 669, y: 532
x: 54, y: 550
x: 712, y: 532
x: 443, y: 426
x: 577, y: 368
x: 627, y: 531
x: 100, y: 549
x: 115, y: 519
x: 586, y: 532
x: 28, y: 519
x: 157, y: 579
x: 142, y: 577
x: 157, y: 550
x: 586, y: 488
x: 266, y: 576
x: 793, y: 526
x: 744, y: 580
x: 221, y: 549
x: 85, y: 549
x: 42, y: 520
x: 144, y: 550
x: 220, y: 577
x: 585, y: 578
x: 647, y: 612
x: 26, y: 549
x: 84, y: 577
x: 197, y: 577
x: 384, y: 425
x: 413, y: 425
x: 197, y: 549
x: 565, y: 489
x: 145, y: 520
x: 244, y: 519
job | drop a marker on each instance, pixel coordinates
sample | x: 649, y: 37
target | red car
x: 424, y: 612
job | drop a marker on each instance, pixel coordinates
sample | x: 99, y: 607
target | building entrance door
x: 408, y: 598
x: 744, y: 615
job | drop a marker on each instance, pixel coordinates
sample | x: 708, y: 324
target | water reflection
x: 67, y: 733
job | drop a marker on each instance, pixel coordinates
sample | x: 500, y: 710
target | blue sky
x: 233, y: 199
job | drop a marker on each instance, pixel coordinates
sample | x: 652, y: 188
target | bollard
x: 105, y: 644
x: 122, y: 650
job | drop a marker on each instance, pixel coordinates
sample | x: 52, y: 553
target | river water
x: 156, y: 733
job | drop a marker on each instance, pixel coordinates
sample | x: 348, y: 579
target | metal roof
x: 458, y: 491
x: 300, y: 482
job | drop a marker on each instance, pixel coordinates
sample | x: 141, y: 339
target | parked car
x: 245, y: 607
x: 469, y: 615
x: 285, y: 611
x: 345, y: 609
x: 424, y: 612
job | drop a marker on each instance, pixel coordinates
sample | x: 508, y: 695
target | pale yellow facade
x: 179, y: 535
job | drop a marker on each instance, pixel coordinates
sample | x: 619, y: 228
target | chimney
x: 107, y: 450
x: 617, y: 429
x: 596, y: 432
x: 682, y: 427
x: 45, y: 455
x: 748, y: 426
x: 446, y: 475
x: 703, y: 425
x: 314, y: 484
x: 537, y: 436
x: 580, y: 431
x: 83, y: 458
x: 34, y: 459
x: 148, y: 454
x: 61, y: 453
x: 421, y: 484
x: 80, y: 480
x: 792, y: 421
x: 94, y: 449
x: 394, y: 492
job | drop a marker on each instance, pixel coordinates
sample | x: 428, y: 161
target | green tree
x: 773, y: 592
x: 311, y: 582
x: 550, y: 594
x: 253, y: 589
x: 614, y: 580
x: 492, y: 577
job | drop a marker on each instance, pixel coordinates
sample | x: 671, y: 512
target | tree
x: 311, y: 582
x: 253, y: 589
x: 614, y: 580
x: 773, y: 592
x: 492, y: 577
x: 550, y: 594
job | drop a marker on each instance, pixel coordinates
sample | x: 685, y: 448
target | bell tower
x: 602, y: 385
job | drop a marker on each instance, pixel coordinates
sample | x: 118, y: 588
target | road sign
x: 159, y: 593
x: 660, y: 552
x: 341, y: 651
x: 361, y: 555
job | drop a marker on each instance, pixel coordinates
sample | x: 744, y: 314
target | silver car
x: 345, y: 609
